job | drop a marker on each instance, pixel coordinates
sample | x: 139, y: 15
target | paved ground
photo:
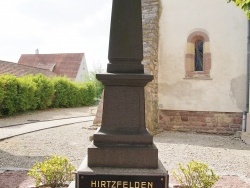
x: 31, y: 122
x: 229, y: 157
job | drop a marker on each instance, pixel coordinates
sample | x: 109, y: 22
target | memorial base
x: 123, y: 156
x: 103, y: 177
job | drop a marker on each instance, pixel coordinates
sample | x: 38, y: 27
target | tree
x: 244, y: 5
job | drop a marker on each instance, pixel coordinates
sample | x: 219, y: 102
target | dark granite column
x: 125, y: 43
x: 123, y: 136
x: 122, y: 149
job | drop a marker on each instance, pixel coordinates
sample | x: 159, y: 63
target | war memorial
x: 122, y: 154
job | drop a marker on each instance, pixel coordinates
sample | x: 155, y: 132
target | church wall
x: 219, y: 91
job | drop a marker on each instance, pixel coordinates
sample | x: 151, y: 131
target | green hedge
x: 44, y: 92
x: 26, y: 94
x: 9, y: 102
x: 70, y: 94
x: 39, y: 92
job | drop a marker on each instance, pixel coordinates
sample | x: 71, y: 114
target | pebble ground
x: 225, y: 154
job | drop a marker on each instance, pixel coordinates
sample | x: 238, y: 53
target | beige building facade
x: 211, y: 98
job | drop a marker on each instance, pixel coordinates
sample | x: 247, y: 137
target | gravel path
x: 225, y: 154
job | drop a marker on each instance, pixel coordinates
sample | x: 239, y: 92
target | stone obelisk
x: 122, y: 150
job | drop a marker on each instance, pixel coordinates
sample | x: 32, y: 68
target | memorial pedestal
x: 104, y: 177
x: 122, y: 154
x: 122, y: 140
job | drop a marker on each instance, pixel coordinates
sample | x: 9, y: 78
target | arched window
x: 198, y: 56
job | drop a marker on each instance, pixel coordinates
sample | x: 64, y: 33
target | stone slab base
x: 85, y: 170
x: 123, y: 156
x: 245, y: 137
x: 123, y: 139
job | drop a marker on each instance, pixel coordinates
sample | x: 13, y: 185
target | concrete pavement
x: 56, y: 118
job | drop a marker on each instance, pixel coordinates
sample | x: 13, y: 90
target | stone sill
x: 198, y: 78
x: 198, y: 75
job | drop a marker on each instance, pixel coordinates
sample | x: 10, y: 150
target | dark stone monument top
x: 125, y: 43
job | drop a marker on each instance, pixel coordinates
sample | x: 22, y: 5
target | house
x: 197, y: 52
x: 72, y: 65
x: 21, y: 70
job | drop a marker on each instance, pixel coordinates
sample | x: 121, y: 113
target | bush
x: 74, y: 95
x: 63, y: 92
x: 98, y: 69
x: 98, y: 87
x: 53, y: 172
x: 71, y: 94
x: 2, y: 93
x: 39, y: 92
x: 195, y: 175
x: 87, y: 93
x: 26, y: 90
x: 45, y: 91
x: 9, y: 96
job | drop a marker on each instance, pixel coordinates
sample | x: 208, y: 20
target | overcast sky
x: 55, y: 26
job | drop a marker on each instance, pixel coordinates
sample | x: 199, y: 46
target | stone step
x: 245, y: 137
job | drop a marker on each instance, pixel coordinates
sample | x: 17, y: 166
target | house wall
x: 221, y: 95
x: 82, y: 74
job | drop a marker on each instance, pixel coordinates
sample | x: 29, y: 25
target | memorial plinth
x: 122, y: 140
x: 122, y: 153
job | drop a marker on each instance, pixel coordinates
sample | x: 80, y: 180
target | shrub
x: 87, y: 93
x: 53, y: 172
x: 195, y: 175
x: 62, y: 87
x: 45, y: 91
x: 72, y: 94
x: 9, y: 96
x: 2, y: 92
x: 39, y: 92
x: 26, y: 90
x: 98, y: 87
x: 98, y: 69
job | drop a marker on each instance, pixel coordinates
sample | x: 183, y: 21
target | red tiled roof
x: 65, y: 64
x: 21, y: 70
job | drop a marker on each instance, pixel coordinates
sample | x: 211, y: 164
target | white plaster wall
x: 226, y: 26
x: 82, y: 74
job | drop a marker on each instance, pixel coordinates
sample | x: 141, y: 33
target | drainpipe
x: 243, y: 129
x: 244, y: 120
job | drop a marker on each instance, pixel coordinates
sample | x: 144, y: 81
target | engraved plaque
x: 113, y: 181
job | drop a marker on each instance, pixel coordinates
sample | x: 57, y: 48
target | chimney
x: 37, y: 51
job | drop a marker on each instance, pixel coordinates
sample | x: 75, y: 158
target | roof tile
x: 21, y: 70
x: 62, y: 64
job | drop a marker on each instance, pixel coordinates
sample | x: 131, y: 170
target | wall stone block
x: 150, y: 21
x: 202, y: 122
